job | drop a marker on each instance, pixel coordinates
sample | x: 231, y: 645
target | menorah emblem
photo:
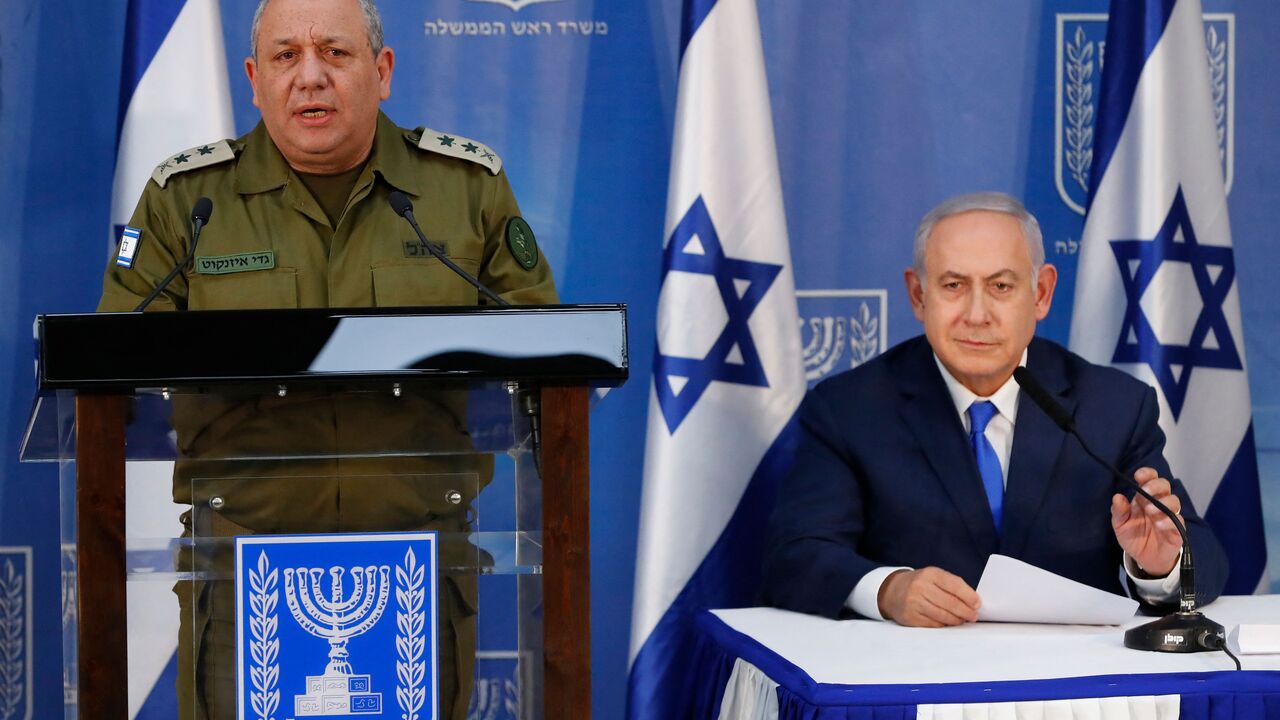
x: 339, y: 691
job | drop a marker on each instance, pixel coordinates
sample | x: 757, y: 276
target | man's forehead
x: 286, y: 22
x: 949, y: 272
x: 313, y: 34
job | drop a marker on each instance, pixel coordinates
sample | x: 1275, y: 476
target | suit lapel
x: 929, y: 413
x: 1037, y: 443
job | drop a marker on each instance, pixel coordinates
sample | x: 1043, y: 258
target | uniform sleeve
x: 501, y: 271
x: 161, y: 245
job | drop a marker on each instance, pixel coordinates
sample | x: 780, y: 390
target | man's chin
x: 984, y: 379
x: 310, y: 152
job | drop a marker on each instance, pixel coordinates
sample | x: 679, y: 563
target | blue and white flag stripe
x: 1136, y: 27
x: 174, y: 92
x: 1155, y: 290
x: 728, y: 368
x: 174, y: 95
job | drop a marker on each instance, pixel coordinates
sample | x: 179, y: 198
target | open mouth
x: 314, y: 113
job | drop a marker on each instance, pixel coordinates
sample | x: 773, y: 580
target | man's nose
x: 976, y: 310
x: 312, y: 71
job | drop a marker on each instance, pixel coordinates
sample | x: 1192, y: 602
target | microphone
x: 200, y: 213
x: 404, y: 209
x: 1184, y: 631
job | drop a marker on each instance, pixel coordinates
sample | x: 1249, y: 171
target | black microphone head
x: 202, y: 210
x: 1043, y: 399
x: 399, y: 203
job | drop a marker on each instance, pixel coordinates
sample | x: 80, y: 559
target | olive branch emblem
x: 12, y: 645
x: 865, y: 332
x: 264, y: 648
x: 1217, y: 49
x: 411, y: 644
x: 1079, y: 129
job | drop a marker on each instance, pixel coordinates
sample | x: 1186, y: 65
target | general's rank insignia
x: 192, y: 158
x: 456, y: 146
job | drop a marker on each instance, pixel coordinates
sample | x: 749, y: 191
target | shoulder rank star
x: 191, y: 159
x: 459, y: 147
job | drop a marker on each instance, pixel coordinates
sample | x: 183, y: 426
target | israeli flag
x: 173, y: 93
x: 1156, y: 294
x: 728, y: 371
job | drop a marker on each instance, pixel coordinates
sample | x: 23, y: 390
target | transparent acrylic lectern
x: 195, y: 450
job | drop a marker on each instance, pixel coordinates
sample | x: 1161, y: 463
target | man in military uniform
x: 301, y: 219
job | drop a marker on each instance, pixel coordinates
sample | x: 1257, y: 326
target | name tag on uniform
x: 240, y: 262
x: 414, y: 249
x: 128, y: 246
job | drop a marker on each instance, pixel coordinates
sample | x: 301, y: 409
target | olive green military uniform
x: 269, y: 244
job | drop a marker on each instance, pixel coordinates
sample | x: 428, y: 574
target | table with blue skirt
x: 764, y: 663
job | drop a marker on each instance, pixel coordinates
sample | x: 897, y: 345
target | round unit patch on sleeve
x: 523, y: 246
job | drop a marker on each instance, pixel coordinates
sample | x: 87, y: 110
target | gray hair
x: 372, y: 24
x: 990, y: 201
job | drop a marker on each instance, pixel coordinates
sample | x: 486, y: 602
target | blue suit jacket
x: 884, y: 476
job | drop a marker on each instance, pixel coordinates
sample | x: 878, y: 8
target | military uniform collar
x: 391, y: 157
x: 262, y: 167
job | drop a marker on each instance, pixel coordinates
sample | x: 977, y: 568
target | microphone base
x: 1182, y: 632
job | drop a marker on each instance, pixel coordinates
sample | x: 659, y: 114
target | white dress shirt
x: 864, y: 599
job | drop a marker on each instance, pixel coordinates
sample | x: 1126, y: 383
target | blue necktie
x: 980, y: 413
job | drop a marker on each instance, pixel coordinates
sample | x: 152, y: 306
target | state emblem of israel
x: 1080, y: 57
x: 336, y: 625
x: 840, y: 329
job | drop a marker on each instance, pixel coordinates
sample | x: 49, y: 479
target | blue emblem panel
x: 1081, y: 55
x: 840, y: 329
x: 337, y: 626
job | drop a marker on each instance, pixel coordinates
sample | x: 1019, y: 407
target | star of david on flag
x: 728, y: 368
x: 695, y: 248
x: 1211, y: 343
x: 1156, y: 291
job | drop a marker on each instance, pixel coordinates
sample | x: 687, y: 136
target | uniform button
x: 453, y: 497
x: 216, y: 502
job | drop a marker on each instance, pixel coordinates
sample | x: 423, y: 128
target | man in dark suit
x: 899, y: 494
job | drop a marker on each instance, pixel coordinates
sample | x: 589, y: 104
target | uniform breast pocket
x: 275, y: 288
x: 423, y: 282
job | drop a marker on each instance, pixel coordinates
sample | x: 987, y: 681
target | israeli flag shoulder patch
x: 129, y: 240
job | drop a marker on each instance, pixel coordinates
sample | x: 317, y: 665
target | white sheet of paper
x: 1014, y: 591
x: 1255, y: 639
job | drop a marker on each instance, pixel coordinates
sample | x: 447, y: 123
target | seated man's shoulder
x: 435, y: 143
x: 1086, y: 376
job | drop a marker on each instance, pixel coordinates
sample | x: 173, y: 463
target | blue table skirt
x: 1205, y: 696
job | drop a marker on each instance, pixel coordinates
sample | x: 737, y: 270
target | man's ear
x: 915, y: 292
x: 251, y: 70
x: 385, y: 63
x: 1046, y: 281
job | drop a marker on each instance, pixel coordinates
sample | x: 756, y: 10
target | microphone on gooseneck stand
x: 1184, y: 631
x: 404, y: 209
x: 200, y: 213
